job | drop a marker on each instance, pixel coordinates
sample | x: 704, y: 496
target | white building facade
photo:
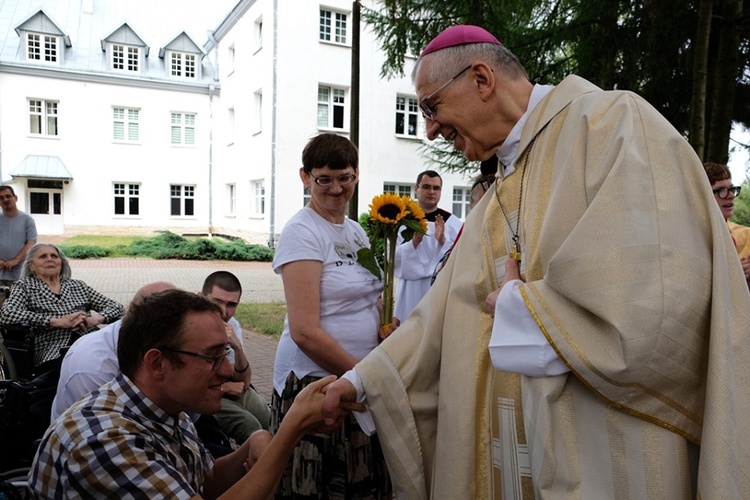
x: 123, y: 120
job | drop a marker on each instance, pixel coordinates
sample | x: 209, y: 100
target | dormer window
x: 125, y: 50
x: 182, y: 57
x: 42, y: 41
x: 182, y: 65
x: 125, y: 58
x: 41, y: 47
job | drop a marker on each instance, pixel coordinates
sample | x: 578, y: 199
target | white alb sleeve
x: 517, y: 344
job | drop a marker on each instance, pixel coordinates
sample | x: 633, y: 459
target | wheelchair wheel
x: 7, y: 366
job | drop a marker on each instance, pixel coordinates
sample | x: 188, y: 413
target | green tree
x: 650, y: 47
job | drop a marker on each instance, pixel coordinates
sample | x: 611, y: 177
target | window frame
x: 45, y: 117
x: 183, y: 66
x: 410, y: 112
x: 185, y: 198
x: 258, y: 194
x: 46, y: 48
x: 183, y: 128
x: 127, y: 122
x: 461, y: 207
x: 129, y: 55
x: 128, y: 192
x: 399, y: 188
x: 331, y: 106
x: 330, y: 29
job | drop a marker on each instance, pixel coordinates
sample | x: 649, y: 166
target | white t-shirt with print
x: 348, y: 291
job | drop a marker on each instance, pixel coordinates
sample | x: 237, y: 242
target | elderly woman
x: 58, y: 309
x: 332, y: 322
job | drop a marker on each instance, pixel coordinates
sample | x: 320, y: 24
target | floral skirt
x: 347, y: 464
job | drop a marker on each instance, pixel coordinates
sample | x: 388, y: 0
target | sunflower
x: 416, y: 212
x: 387, y: 208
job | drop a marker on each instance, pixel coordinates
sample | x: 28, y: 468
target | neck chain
x: 515, y: 251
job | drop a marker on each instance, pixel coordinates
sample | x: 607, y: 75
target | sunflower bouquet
x: 390, y: 214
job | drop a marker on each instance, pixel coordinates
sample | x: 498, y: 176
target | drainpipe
x: 211, y: 93
x: 272, y: 190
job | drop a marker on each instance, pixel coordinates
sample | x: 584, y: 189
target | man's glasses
x: 325, y: 180
x: 216, y: 360
x: 427, y: 187
x: 723, y: 193
x: 428, y: 111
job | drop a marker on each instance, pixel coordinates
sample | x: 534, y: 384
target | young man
x: 132, y: 437
x: 17, y: 235
x: 725, y: 192
x: 588, y: 336
x: 243, y: 409
x: 416, y: 259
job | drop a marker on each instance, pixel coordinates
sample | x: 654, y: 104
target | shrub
x: 85, y: 251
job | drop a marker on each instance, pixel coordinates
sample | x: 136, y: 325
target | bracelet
x: 244, y: 369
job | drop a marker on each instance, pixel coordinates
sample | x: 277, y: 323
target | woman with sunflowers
x: 332, y: 322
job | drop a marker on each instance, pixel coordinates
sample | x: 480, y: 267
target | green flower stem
x: 390, y: 259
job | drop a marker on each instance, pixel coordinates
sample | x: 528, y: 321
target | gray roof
x: 46, y: 167
x: 87, y: 23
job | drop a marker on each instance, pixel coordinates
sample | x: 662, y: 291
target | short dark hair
x: 717, y: 172
x: 155, y: 321
x: 429, y: 173
x: 224, y: 280
x: 5, y: 187
x: 329, y: 150
x: 489, y: 166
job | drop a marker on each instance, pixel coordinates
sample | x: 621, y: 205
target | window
x: 125, y: 58
x: 183, y: 128
x: 232, y: 198
x: 332, y: 26
x: 43, y: 117
x: 34, y: 44
x: 182, y: 65
x: 461, y: 200
x: 407, y: 112
x: 127, y: 198
x: 306, y: 196
x: 125, y: 124
x: 258, y: 34
x: 399, y: 189
x: 230, y: 125
x: 258, y: 114
x: 181, y: 200
x: 258, y: 190
x: 230, y: 59
x: 331, y: 107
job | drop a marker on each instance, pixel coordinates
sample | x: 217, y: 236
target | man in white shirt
x: 416, y: 259
x: 243, y: 409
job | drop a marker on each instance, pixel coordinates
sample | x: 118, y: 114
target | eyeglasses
x: 427, y: 187
x: 325, y: 180
x: 428, y: 111
x: 723, y: 193
x: 216, y: 360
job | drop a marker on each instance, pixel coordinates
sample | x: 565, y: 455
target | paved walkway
x: 120, y: 278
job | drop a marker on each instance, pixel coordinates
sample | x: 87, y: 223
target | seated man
x: 132, y: 437
x: 243, y: 410
x: 92, y: 360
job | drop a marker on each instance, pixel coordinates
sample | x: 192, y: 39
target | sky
x: 739, y: 159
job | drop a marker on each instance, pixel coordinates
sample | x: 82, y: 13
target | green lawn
x: 266, y: 318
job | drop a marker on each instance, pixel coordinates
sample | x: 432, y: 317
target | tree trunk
x: 717, y: 149
x: 700, y: 79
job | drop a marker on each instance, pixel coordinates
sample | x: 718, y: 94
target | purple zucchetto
x: 459, y: 35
